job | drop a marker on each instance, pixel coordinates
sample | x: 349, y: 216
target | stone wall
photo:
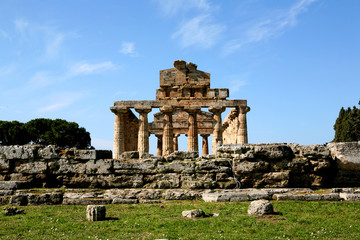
x: 276, y: 165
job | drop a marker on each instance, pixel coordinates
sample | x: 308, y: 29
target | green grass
x: 294, y: 220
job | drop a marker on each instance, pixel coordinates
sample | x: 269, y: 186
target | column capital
x: 167, y: 109
x: 143, y: 109
x: 244, y: 109
x: 217, y: 109
x: 119, y: 109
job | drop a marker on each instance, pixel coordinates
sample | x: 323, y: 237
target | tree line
x: 347, y: 125
x: 44, y: 131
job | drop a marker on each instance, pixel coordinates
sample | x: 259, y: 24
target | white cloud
x: 268, y: 28
x: 199, y: 31
x: 5, y: 34
x: 84, y: 68
x: 59, y: 101
x: 7, y: 69
x: 128, y: 48
x: 173, y: 7
x: 21, y: 26
x: 53, y: 45
x: 103, y: 144
x: 236, y: 85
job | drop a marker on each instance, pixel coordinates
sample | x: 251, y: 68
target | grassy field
x: 294, y: 220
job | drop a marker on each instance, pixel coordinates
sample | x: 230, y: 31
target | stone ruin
x: 184, y: 91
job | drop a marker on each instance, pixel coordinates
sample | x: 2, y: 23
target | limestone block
x: 347, y: 155
x: 18, y: 152
x: 66, y: 167
x: 84, y: 201
x: 99, y: 166
x: 122, y: 181
x: 85, y: 154
x: 150, y: 194
x: 181, y: 155
x: 352, y: 197
x: 45, y: 199
x: 177, y: 167
x: 4, y: 165
x: 19, y: 200
x: 30, y: 167
x: 124, y: 201
x: 95, y: 213
x: 130, y: 155
x: 6, y: 192
x: 260, y: 207
x: 12, y: 185
x: 195, y: 213
x: 314, y: 151
x: 308, y: 197
x: 146, y: 166
x: 121, y: 193
x: 182, y: 194
x: 49, y: 152
x: 225, y: 197
x: 258, y: 194
x: 250, y: 167
x: 163, y: 181
x: 10, y: 211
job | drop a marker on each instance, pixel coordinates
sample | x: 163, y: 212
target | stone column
x: 119, y: 136
x: 168, y: 146
x: 193, y: 145
x: 217, y: 131
x: 143, y: 135
x: 242, y: 135
x: 176, y: 142
x: 205, y: 144
x: 159, y: 145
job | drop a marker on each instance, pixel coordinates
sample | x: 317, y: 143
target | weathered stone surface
x: 45, y: 199
x: 130, y: 155
x: 30, y: 167
x: 66, y: 167
x: 260, y: 207
x: 177, y: 167
x: 6, y: 192
x: 4, y: 165
x: 18, y: 152
x: 352, y: 197
x: 4, y: 200
x: 308, y: 197
x: 124, y: 201
x: 10, y: 211
x: 249, y: 167
x: 19, y: 200
x: 121, y: 193
x: 182, y: 194
x: 49, y: 152
x: 181, y: 155
x: 84, y: 201
x: 99, y: 167
x: 347, y: 155
x: 95, y: 213
x: 195, y: 213
x: 11, y: 185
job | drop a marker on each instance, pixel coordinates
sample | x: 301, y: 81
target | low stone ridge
x: 260, y: 207
x: 275, y: 165
x: 134, y: 196
x: 10, y: 211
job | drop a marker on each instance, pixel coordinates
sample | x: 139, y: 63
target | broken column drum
x: 183, y: 94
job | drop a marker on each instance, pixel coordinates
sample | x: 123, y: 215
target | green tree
x: 46, y: 132
x: 347, y: 125
x: 13, y: 133
x: 58, y: 132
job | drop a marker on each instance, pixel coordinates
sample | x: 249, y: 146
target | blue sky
x: 296, y: 62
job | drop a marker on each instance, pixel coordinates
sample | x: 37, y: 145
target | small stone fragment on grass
x: 95, y: 213
x: 10, y: 211
x: 195, y: 213
x: 260, y: 207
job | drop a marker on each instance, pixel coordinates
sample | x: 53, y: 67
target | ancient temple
x: 183, y: 96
